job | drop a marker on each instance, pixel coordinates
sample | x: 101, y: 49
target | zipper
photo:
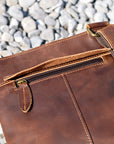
x: 55, y: 71
x: 23, y: 80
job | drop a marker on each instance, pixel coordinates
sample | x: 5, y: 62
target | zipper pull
x: 25, y: 95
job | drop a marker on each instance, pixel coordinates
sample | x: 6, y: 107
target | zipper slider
x: 21, y: 82
x: 25, y: 95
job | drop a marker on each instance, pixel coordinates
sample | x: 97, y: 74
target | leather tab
x: 25, y: 97
x: 108, y: 34
x: 96, y: 26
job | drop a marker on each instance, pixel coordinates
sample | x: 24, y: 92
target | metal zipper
x: 59, y: 70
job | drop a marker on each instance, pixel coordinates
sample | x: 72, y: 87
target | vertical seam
x: 81, y: 117
x: 24, y: 99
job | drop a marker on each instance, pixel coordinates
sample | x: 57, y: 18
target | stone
x: 101, y: 6
x: 13, y: 50
x: 26, y: 3
x: 12, y: 30
x: 2, y: 9
x: 14, y: 23
x: 110, y: 14
x: 81, y: 7
x: 57, y: 26
x: 89, y: 11
x: 54, y: 15
x: 28, y: 24
x: 71, y: 25
x: 34, y: 33
x: 48, y: 34
x: 98, y: 17
x: 2, y: 1
x: 36, y: 41
x: 4, y: 28
x: 57, y: 36
x: 11, y: 2
x: 49, y: 21
x: 63, y: 19
x: 63, y: 33
x: 36, y: 12
x: 58, y: 5
x: 109, y: 3
x: 3, y: 20
x: 73, y: 13
x: 83, y: 18
x: 41, y: 25
x: 15, y: 12
x: 7, y: 37
x: 79, y: 27
x: 25, y: 43
x: 45, y: 4
x: 18, y: 36
x: 14, y: 44
x: 5, y: 53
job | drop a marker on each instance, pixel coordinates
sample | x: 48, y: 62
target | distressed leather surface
x: 76, y: 107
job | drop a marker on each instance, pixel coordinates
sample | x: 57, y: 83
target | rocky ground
x: 25, y: 24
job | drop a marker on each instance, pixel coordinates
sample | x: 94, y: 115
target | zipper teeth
x: 62, y: 64
x: 63, y: 70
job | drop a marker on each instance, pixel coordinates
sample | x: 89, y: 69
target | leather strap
x: 104, y: 33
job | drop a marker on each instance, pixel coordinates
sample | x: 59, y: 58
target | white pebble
x: 36, y: 12
x: 48, y: 34
x: 26, y: 3
x: 36, y: 41
x: 4, y: 28
x: 3, y: 20
x: 14, y: 23
x: 11, y: 2
x: 2, y: 9
x: 49, y: 21
x: 2, y: 1
x: 7, y: 37
x: 34, y: 33
x: 45, y: 4
x: 98, y: 17
x: 28, y: 24
x: 71, y: 25
x: 16, y: 12
x: 18, y: 36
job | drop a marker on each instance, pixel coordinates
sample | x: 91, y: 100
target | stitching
x: 45, y: 46
x: 24, y: 98
x: 77, y: 107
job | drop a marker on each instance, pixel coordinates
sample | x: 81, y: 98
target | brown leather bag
x: 61, y: 92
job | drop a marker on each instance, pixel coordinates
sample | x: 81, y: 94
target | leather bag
x: 61, y: 92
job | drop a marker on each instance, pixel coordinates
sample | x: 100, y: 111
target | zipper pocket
x: 60, y: 63
x: 52, y: 67
x: 59, y: 70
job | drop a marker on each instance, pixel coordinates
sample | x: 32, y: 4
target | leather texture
x: 61, y: 92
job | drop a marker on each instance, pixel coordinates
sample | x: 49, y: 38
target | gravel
x: 15, y: 12
x: 48, y: 34
x: 28, y: 24
x: 25, y: 24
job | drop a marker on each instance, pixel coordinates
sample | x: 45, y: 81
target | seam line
x: 81, y: 117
